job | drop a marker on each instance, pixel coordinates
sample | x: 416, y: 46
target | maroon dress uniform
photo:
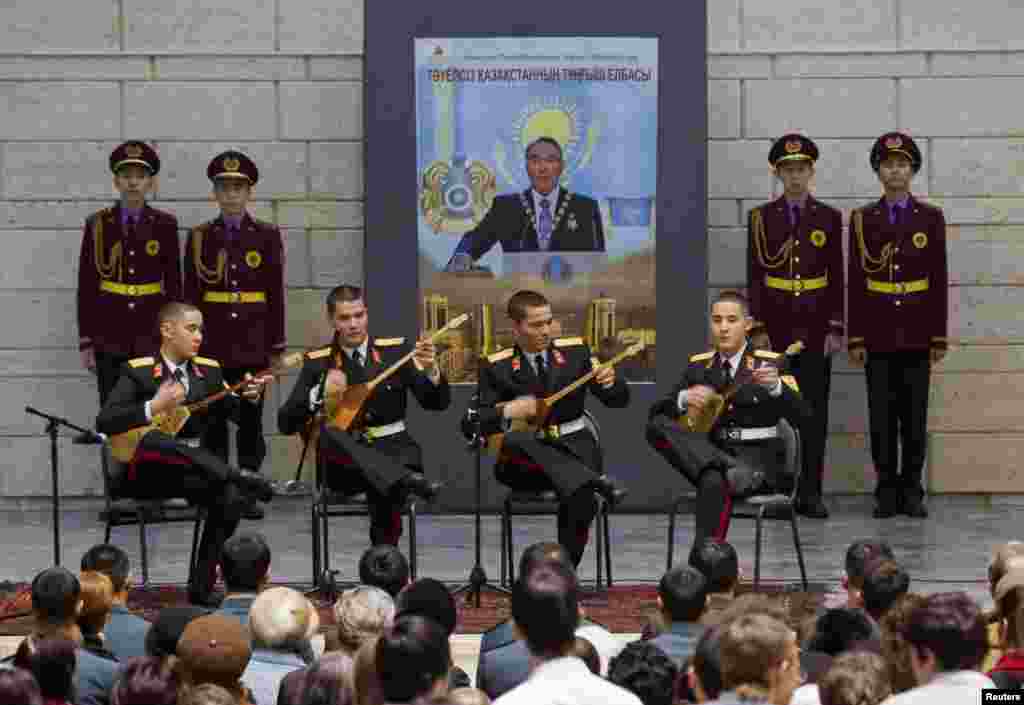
x: 795, y: 286
x: 128, y: 268
x: 898, y: 303
x: 235, y: 276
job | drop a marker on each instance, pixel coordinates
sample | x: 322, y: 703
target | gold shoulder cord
x: 105, y: 269
x: 869, y: 264
x: 779, y: 259
x: 207, y: 275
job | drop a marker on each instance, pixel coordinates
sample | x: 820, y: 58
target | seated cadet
x: 742, y: 452
x: 380, y: 458
x: 564, y: 456
x: 178, y: 466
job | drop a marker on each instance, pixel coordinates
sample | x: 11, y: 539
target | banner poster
x: 575, y: 222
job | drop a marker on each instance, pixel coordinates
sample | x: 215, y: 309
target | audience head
x: 413, y: 659
x: 147, y: 680
x: 112, y: 562
x: 207, y: 694
x: 683, y: 594
x: 282, y: 618
x: 839, y: 629
x: 858, y: 556
x: 328, y: 681
x: 385, y: 567
x: 542, y: 553
x: 1005, y: 556
x: 468, y: 696
x: 215, y: 649
x: 245, y: 562
x: 584, y: 650
x: 52, y: 662
x: 19, y: 687
x: 644, y: 670
x: 545, y: 608
x: 760, y: 658
x: 1009, y: 607
x: 427, y: 597
x: 945, y: 633
x: 754, y: 603
x: 362, y: 613
x: 163, y: 635
x: 855, y: 678
x: 895, y: 649
x: 705, y: 676
x: 97, y: 601
x: 884, y: 582
x: 56, y: 597
x: 718, y: 561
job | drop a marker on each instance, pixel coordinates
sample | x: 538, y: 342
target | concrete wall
x: 281, y: 80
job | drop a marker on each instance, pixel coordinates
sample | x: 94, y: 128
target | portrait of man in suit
x: 544, y: 218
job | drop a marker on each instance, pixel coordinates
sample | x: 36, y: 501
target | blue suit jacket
x: 94, y: 678
x: 680, y: 640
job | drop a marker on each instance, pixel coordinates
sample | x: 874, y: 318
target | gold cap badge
x: 920, y: 240
x: 231, y: 164
x: 793, y: 146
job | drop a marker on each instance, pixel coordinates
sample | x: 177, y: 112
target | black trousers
x: 352, y: 466
x: 813, y: 372
x: 568, y: 466
x: 108, y: 368
x: 164, y: 467
x: 898, y: 415
x: 249, y: 441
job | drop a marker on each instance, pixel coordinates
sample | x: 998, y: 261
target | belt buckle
x: 900, y: 287
x: 132, y: 289
x: 234, y: 297
x: 798, y: 285
x: 733, y: 434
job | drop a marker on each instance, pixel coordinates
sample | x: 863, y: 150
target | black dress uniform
x: 379, y: 457
x: 795, y: 278
x: 743, y: 454
x: 234, y: 274
x: 898, y: 304
x: 180, y: 466
x: 129, y: 266
x: 565, y: 457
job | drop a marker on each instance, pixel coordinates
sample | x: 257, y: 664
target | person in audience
x: 52, y: 662
x: 216, y: 649
x: 839, y: 630
x: 97, y: 603
x: 646, y: 671
x: 366, y: 680
x: 162, y: 638
x: 760, y: 660
x: 385, y: 567
x: 360, y: 614
x: 282, y: 622
x: 545, y: 608
x: 858, y: 556
x: 884, y: 582
x: 412, y: 660
x: 718, y: 561
x: 56, y: 604
x: 585, y: 652
x: 125, y: 633
x: 1008, y: 671
x: 329, y: 681
x: 427, y: 597
x: 704, y: 676
x: 682, y: 598
x: 1004, y: 556
x: 895, y: 649
x: 147, y: 680
x: 19, y: 687
x: 471, y: 696
x: 856, y: 678
x: 947, y: 642
x: 207, y: 694
x: 245, y: 567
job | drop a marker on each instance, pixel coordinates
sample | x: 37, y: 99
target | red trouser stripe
x: 151, y: 456
x: 725, y: 516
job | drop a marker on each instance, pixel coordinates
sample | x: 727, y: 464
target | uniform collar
x: 363, y: 349
x: 736, y: 359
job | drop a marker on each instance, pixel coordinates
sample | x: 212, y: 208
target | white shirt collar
x: 552, y: 200
x: 173, y: 368
x: 362, y: 350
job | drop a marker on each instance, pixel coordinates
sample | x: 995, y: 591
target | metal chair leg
x: 599, y: 546
x: 757, y: 549
x: 106, y: 534
x: 504, y: 563
x: 799, y: 549
x: 315, y: 529
x: 326, y: 545
x: 671, y: 535
x: 142, y: 545
x: 412, y: 540
x: 509, y: 553
x: 607, y: 545
x: 192, y: 557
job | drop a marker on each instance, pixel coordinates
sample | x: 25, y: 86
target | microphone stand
x: 53, y: 424
x: 478, y: 576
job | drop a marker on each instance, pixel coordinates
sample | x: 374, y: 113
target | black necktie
x: 359, y: 374
x: 727, y: 368
x: 179, y: 374
x: 542, y: 371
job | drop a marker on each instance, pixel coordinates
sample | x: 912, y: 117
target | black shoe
x: 416, y: 483
x: 253, y: 510
x: 914, y: 508
x: 256, y: 485
x: 210, y: 600
x: 812, y: 507
x: 607, y: 488
x: 885, y: 510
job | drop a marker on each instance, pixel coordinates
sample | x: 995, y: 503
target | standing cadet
x: 129, y: 267
x: 898, y: 318
x: 795, y: 285
x: 234, y: 274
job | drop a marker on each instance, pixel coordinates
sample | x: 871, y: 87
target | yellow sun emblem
x: 253, y: 258
x: 153, y: 248
x: 920, y: 240
x: 231, y: 164
x: 818, y: 238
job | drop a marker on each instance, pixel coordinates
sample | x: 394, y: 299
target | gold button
x: 896, y: 250
x: 234, y: 315
x: 896, y: 267
x: 131, y: 252
x: 796, y: 243
x: 234, y: 283
x: 131, y: 304
x: 234, y: 266
x: 898, y: 302
x: 131, y: 271
x: 797, y: 276
x: 797, y: 294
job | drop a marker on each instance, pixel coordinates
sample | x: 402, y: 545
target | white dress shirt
x: 314, y: 393
x: 734, y: 366
x: 566, y: 681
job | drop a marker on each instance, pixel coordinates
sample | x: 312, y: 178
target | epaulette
x: 209, y: 362
x: 567, y: 342
x: 795, y: 348
x: 701, y: 357
x: 387, y: 342
x: 317, y: 354
x: 767, y: 354
x: 141, y: 362
x: 501, y: 355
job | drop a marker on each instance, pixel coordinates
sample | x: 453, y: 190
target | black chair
x: 780, y: 507
x: 545, y: 503
x: 126, y: 511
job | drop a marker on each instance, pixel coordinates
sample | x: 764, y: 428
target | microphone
x: 90, y: 437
